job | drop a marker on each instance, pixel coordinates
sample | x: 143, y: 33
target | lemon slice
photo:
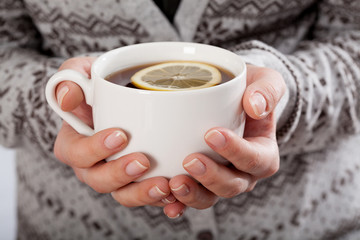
x: 177, y: 76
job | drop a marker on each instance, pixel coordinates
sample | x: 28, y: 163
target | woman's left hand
x: 252, y: 157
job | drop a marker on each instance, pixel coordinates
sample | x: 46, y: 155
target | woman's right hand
x: 86, y: 154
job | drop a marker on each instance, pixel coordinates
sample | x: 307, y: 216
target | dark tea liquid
x: 123, y: 76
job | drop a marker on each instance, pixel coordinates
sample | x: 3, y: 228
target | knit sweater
x: 315, y: 45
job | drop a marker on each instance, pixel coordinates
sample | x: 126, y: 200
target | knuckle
x: 272, y: 94
x: 114, y: 174
x: 94, y: 156
x: 76, y: 159
x: 254, y: 163
x: 84, y: 155
x: 209, y: 181
x: 93, y: 181
x: 93, y: 149
x: 233, y: 151
x: 237, y: 188
x: 72, y: 156
x: 276, y: 88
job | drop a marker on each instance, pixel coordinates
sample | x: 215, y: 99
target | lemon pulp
x: 177, y: 76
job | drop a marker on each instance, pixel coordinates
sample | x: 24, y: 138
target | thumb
x: 265, y: 89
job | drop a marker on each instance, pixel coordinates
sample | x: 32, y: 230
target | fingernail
x: 215, y: 138
x: 182, y: 190
x: 258, y: 104
x: 61, y: 94
x: 115, y: 140
x: 195, y: 167
x: 169, y: 199
x: 135, y: 168
x: 156, y: 193
x: 176, y: 216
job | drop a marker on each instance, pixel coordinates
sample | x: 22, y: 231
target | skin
x: 252, y: 157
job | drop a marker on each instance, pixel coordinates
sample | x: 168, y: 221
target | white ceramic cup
x: 166, y: 126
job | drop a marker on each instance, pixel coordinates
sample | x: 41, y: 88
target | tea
x: 123, y: 76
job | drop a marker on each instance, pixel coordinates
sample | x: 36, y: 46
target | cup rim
x: 102, y: 58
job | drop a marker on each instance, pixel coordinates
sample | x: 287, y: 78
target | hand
x: 85, y: 154
x: 253, y: 157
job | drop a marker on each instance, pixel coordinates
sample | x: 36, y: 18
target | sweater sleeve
x: 323, y: 79
x: 24, y: 71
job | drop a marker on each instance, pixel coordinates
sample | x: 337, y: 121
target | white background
x: 7, y: 195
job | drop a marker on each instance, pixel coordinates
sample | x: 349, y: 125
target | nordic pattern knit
x: 315, y: 45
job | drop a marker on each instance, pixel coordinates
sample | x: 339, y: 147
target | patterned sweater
x: 315, y: 45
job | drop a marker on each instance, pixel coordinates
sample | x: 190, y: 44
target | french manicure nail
x: 195, y: 167
x: 176, y: 216
x: 115, y: 140
x: 169, y: 199
x: 258, y: 104
x: 61, y: 94
x: 135, y: 168
x: 215, y: 138
x: 156, y: 193
x: 182, y: 190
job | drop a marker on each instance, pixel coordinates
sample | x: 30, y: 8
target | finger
x: 106, y: 177
x: 174, y: 210
x: 265, y: 89
x: 82, y: 152
x: 73, y: 100
x: 190, y: 193
x: 79, y: 64
x: 169, y: 199
x: 221, y: 180
x: 69, y: 94
x: 147, y: 192
x: 257, y: 156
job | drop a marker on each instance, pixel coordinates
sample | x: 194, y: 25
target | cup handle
x: 86, y: 86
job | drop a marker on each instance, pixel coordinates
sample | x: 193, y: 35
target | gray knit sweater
x: 314, y: 44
